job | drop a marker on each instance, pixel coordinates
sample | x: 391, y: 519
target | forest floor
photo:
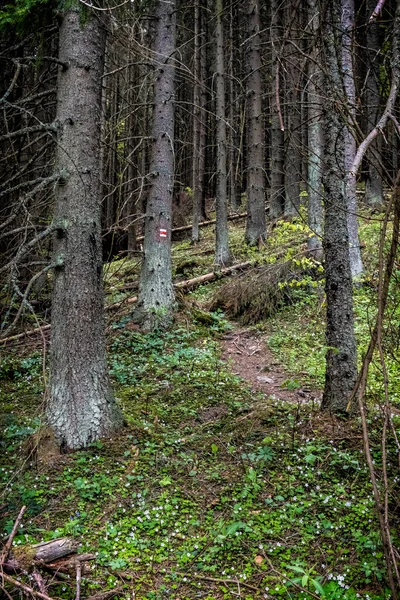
x: 226, y: 482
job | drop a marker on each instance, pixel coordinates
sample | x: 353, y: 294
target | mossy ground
x: 211, y: 490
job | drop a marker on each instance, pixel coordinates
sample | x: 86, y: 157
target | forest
x: 199, y: 299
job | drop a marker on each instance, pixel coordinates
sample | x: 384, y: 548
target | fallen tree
x: 188, y: 284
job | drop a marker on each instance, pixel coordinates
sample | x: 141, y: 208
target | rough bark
x: 197, y: 176
x: 255, y: 225
x: 156, y: 293
x: 292, y: 114
x: 347, y: 22
x: 277, y: 192
x: 81, y: 407
x: 222, y: 253
x: 341, y: 358
x: 235, y: 110
x: 373, y: 188
x: 315, y: 134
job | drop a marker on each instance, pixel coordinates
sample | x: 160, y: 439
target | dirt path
x: 251, y: 359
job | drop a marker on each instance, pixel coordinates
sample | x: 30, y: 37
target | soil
x: 250, y: 358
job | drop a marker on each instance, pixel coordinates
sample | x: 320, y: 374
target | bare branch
x: 7, y: 547
x: 391, y: 101
x: 51, y: 127
x: 377, y: 10
x: 12, y: 84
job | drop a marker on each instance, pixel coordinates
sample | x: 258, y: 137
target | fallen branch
x: 188, y: 284
x: 223, y: 580
x: 106, y: 595
x: 27, y: 589
x: 19, y: 336
x: 7, y: 547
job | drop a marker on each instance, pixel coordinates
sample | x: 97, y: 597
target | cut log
x: 25, y: 557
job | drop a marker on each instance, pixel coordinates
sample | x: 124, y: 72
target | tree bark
x: 197, y: 109
x: 341, y: 357
x: 315, y: 134
x: 81, y: 406
x: 347, y: 22
x: 222, y: 253
x: 292, y: 117
x: 156, y: 293
x: 373, y: 188
x: 277, y: 192
x: 255, y: 225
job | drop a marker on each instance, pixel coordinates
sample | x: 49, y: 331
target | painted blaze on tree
x: 81, y: 405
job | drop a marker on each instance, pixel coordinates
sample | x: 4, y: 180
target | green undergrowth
x: 211, y: 490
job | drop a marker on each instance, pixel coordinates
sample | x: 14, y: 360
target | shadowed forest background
x: 199, y: 299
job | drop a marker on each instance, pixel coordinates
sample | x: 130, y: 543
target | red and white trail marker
x: 163, y: 233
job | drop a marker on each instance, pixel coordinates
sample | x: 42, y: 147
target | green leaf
x: 318, y: 586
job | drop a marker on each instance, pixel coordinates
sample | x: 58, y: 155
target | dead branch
x: 19, y: 336
x: 78, y: 580
x: 50, y: 127
x: 7, y: 547
x: 377, y: 10
x: 39, y: 581
x: 188, y: 284
x: 27, y: 589
x: 26, y: 247
x: 39, y: 183
x: 361, y: 385
x: 106, y: 595
x: 391, y: 101
x: 12, y: 84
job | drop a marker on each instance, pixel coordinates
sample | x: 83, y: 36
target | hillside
x: 226, y: 480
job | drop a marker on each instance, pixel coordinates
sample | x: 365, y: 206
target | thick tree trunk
x: 373, y: 188
x: 341, y: 358
x: 222, y: 253
x: 347, y: 12
x: 315, y: 135
x: 81, y: 406
x: 277, y: 192
x: 156, y: 294
x: 255, y: 226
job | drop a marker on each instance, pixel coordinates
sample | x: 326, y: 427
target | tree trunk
x: 235, y: 106
x: 292, y: 115
x: 277, y: 192
x: 197, y: 183
x: 255, y: 226
x: 156, y: 294
x: 81, y: 406
x: 222, y: 253
x: 347, y: 12
x: 373, y: 188
x: 341, y: 357
x: 315, y: 135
